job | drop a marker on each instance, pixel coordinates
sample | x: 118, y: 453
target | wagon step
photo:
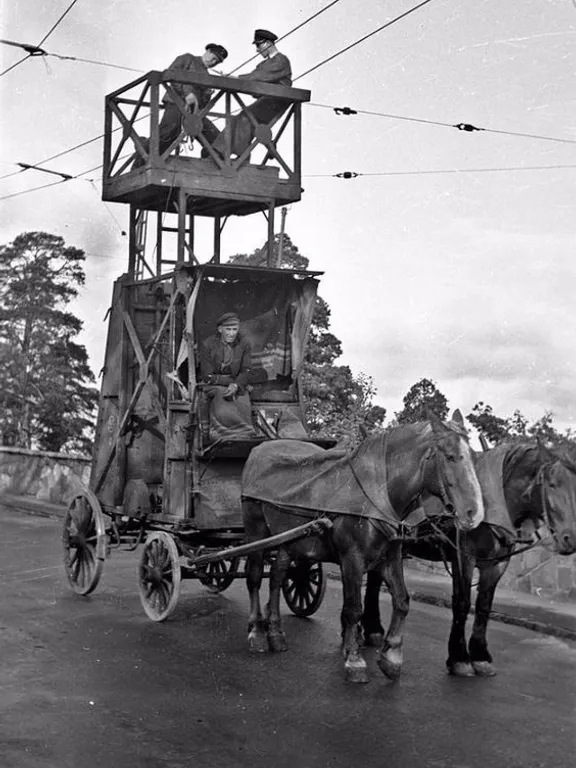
x: 318, y: 526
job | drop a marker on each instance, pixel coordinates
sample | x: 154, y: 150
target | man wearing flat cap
x: 225, y: 363
x: 195, y: 96
x: 274, y: 69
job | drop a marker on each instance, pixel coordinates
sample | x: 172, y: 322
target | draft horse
x: 367, y: 494
x: 526, y: 486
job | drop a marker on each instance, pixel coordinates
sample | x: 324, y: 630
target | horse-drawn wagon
x: 155, y: 482
x: 152, y: 475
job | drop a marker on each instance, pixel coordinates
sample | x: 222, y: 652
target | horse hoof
x: 391, y: 669
x: 257, y: 644
x: 356, y: 671
x: 374, y: 640
x: 461, y: 669
x: 483, y: 668
x: 277, y: 642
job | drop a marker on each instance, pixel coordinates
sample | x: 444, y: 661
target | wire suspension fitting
x: 347, y: 175
x: 467, y: 127
x: 345, y: 111
x: 31, y: 50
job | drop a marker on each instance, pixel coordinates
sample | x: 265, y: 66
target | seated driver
x: 225, y: 362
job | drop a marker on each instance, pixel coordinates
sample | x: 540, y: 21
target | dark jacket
x: 276, y: 70
x: 212, y: 368
x: 189, y: 63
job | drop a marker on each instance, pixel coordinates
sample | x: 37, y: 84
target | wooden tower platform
x: 267, y: 174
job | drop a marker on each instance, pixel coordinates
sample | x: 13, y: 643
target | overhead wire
x: 355, y: 174
x: 36, y: 50
x: 342, y: 175
x: 362, y: 39
x: 348, y: 111
x: 47, y: 35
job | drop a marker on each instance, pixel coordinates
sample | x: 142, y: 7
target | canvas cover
x: 490, y: 471
x: 275, y: 316
x: 303, y: 476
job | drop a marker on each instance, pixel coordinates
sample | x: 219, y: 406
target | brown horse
x: 367, y: 494
x: 525, y: 486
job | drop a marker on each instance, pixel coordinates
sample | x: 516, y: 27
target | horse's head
x: 554, y: 489
x: 450, y: 472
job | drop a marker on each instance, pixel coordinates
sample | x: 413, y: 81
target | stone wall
x: 535, y: 572
x: 42, y: 475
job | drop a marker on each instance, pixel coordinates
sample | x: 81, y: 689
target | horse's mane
x: 408, y: 431
x: 518, y: 450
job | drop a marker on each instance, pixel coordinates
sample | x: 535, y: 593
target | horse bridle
x: 433, y: 454
x: 540, y: 481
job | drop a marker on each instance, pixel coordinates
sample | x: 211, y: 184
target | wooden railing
x: 133, y: 114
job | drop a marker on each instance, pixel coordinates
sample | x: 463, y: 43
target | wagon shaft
x: 314, y: 527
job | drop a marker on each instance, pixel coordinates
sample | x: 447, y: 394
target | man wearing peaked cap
x: 274, y: 69
x: 264, y: 34
x: 195, y: 96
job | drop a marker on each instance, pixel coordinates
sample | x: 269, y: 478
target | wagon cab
x: 148, y: 424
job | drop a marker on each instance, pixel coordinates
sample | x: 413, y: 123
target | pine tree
x: 46, y: 397
x: 422, y: 397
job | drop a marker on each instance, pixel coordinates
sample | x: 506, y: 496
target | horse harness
x: 403, y: 529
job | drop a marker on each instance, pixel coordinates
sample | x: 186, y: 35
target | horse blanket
x: 490, y: 471
x: 305, y: 477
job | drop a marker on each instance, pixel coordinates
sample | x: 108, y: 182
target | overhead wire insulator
x: 467, y: 127
x: 345, y: 111
x: 347, y: 175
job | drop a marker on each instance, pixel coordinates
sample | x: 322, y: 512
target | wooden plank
x: 233, y: 84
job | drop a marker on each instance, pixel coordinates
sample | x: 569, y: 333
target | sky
x: 451, y: 256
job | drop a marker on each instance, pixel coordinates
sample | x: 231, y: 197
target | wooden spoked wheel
x: 220, y: 575
x: 159, y: 576
x: 84, y: 542
x: 304, y: 587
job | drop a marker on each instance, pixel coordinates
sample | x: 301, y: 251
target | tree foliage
x: 422, y: 397
x: 338, y: 404
x: 497, y: 429
x: 46, y: 397
x: 290, y: 257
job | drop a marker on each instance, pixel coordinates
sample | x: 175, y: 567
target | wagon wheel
x: 84, y: 542
x: 304, y: 587
x: 159, y: 576
x: 218, y: 576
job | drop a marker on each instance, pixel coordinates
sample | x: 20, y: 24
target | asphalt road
x: 92, y: 682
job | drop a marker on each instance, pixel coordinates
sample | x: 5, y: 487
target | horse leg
x: 371, y: 622
x: 478, y: 646
x: 458, y: 661
x: 255, y: 528
x: 276, y: 636
x: 390, y: 657
x: 352, y: 570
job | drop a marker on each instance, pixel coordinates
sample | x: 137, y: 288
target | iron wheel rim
x: 84, y: 543
x: 159, y: 576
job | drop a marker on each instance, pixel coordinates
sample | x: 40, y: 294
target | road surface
x: 93, y: 683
